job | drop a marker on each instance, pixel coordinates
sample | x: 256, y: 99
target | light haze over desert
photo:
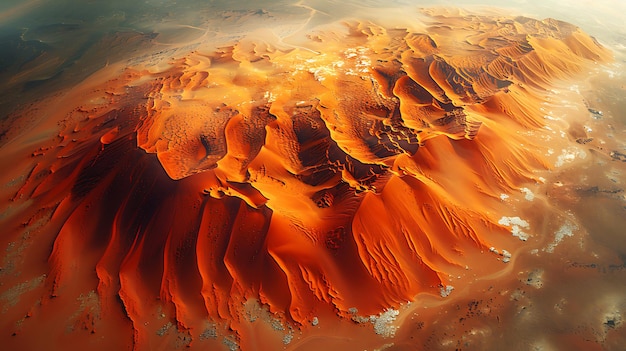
x: 310, y: 175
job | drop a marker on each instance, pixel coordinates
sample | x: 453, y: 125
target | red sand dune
x: 356, y: 171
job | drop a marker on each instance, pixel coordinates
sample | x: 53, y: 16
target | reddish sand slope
x: 355, y: 171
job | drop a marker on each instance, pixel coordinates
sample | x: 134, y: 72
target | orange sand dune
x: 354, y: 171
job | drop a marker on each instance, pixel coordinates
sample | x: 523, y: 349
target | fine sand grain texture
x: 358, y: 185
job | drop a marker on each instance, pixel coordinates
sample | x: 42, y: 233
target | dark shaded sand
x: 171, y: 206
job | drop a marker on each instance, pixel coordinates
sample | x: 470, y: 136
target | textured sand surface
x: 361, y: 179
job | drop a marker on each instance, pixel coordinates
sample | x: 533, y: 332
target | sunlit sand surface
x: 434, y: 179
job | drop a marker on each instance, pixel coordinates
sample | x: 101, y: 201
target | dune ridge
x: 369, y: 159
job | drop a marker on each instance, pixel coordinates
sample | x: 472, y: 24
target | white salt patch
x: 231, y: 344
x: 566, y: 229
x: 517, y: 232
x: 508, y: 221
x: 548, y: 117
x: 321, y: 73
x: 383, y: 323
x: 611, y: 73
x: 269, y: 96
x: 315, y: 321
x: 446, y: 291
x: 287, y: 338
x: 528, y: 195
x: 516, y: 225
x: 506, y: 256
x: 569, y: 155
x: 504, y: 197
x: 350, y: 53
x: 362, y: 62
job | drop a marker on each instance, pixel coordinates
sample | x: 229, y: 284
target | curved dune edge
x: 354, y: 172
